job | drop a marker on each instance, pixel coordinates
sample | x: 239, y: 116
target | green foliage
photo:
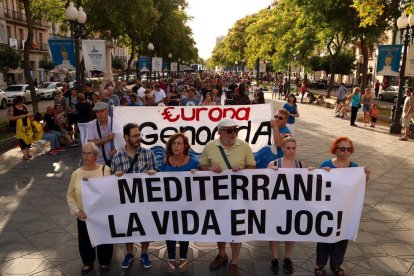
x: 46, y: 63
x: 9, y: 58
x: 50, y: 10
x: 117, y: 63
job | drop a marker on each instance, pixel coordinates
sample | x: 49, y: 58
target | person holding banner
x: 342, y: 148
x: 178, y: 159
x: 89, y: 169
x: 287, y: 161
x: 134, y: 159
x: 232, y: 153
x: 280, y: 130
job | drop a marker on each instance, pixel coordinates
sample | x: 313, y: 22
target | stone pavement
x: 39, y: 237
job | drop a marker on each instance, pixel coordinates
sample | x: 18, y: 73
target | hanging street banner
x: 388, y: 60
x: 262, y: 67
x: 409, y: 66
x: 199, y: 123
x: 165, y: 66
x: 262, y: 204
x: 174, y: 67
x: 94, y: 55
x: 63, y: 53
x: 144, y: 64
x: 13, y: 43
x: 157, y: 64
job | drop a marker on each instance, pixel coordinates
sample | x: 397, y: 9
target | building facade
x: 14, y: 17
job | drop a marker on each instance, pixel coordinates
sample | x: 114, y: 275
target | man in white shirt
x: 159, y: 94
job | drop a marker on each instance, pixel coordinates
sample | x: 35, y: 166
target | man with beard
x: 134, y: 159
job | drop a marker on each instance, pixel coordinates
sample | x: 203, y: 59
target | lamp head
x: 71, y: 12
x: 81, y: 18
x: 402, y: 21
x: 150, y: 46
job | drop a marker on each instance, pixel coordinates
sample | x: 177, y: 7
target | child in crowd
x: 374, y: 115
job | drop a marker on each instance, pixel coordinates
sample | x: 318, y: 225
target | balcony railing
x: 44, y: 47
x: 21, y: 17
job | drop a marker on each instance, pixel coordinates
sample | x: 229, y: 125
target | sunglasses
x: 279, y: 117
x: 343, y: 149
x: 230, y: 130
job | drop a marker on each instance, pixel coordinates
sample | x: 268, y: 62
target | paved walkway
x: 39, y: 237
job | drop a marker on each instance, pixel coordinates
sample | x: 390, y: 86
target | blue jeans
x: 52, y: 138
x: 171, y: 249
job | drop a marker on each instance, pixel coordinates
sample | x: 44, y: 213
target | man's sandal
x: 183, y: 267
x: 171, y: 266
x: 338, y: 271
x: 319, y: 271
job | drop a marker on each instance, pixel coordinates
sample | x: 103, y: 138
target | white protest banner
x: 94, y: 55
x: 262, y: 204
x: 199, y: 124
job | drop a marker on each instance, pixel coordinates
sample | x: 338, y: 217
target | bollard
x: 393, y: 108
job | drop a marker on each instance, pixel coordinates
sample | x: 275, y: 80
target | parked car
x: 47, y: 90
x: 19, y: 90
x: 389, y: 94
x: 320, y: 84
x: 3, y: 99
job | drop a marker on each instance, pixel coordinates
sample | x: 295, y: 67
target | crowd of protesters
x: 99, y: 155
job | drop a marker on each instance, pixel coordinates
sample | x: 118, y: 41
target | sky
x: 213, y: 18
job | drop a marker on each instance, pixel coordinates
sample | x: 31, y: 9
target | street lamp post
x: 178, y: 67
x: 406, y: 26
x: 76, y: 19
x: 237, y: 67
x: 169, y: 67
x: 150, y: 49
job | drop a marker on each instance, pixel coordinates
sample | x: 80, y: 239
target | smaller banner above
x: 156, y: 64
x: 409, y: 66
x: 94, y: 55
x: 144, y: 64
x: 63, y: 53
x: 174, y: 66
x: 388, y: 62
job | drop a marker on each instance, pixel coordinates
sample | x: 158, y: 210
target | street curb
x: 7, y: 144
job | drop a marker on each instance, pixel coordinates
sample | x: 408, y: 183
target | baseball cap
x: 100, y: 106
x: 226, y: 122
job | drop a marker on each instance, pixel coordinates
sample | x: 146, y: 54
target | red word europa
x: 214, y: 114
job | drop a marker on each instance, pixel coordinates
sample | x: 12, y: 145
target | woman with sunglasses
x: 342, y: 148
x: 287, y: 161
x: 59, y: 98
x: 178, y: 159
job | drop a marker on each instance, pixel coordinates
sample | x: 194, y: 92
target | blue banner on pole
x: 63, y: 53
x: 388, y: 61
x: 144, y: 64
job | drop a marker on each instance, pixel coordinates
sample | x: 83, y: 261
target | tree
x: 117, y: 63
x: 9, y: 59
x: 46, y: 63
x: 37, y: 10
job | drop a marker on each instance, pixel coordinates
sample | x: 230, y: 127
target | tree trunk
x: 333, y: 69
x: 26, y: 60
x: 364, y: 68
x: 131, y: 58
